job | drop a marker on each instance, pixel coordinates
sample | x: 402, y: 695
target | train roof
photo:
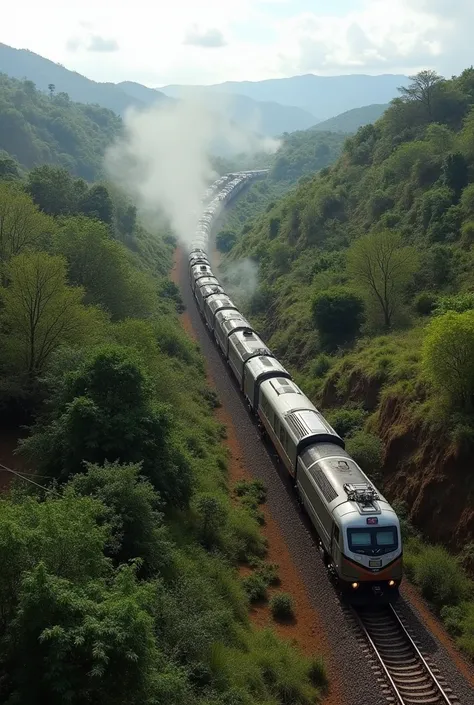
x: 350, y: 494
x: 248, y: 344
x: 298, y: 414
x: 209, y: 289
x: 218, y: 301
x: 207, y: 281
x: 201, y: 270
x: 266, y: 365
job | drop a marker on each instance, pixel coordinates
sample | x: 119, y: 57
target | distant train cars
x: 358, y: 531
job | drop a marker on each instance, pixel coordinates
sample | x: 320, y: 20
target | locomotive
x: 358, y: 531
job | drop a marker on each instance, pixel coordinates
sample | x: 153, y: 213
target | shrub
x: 346, y: 421
x: 225, y: 240
x: 439, y: 576
x: 367, y: 451
x: 255, y: 587
x: 320, y: 365
x: 447, y: 356
x: 317, y: 673
x: 251, y: 488
x: 424, y: 303
x: 338, y: 314
x: 281, y: 606
x: 268, y: 572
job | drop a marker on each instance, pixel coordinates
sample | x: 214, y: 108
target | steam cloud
x: 162, y: 161
x: 241, y: 280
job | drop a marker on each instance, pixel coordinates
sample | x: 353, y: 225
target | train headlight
x: 355, y: 585
x: 391, y: 583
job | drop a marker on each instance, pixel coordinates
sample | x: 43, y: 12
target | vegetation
x: 350, y: 121
x: 384, y: 238
x: 36, y: 129
x: 281, y: 606
x: 120, y: 580
x: 300, y: 154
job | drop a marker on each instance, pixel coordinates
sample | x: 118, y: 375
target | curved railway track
x: 411, y: 679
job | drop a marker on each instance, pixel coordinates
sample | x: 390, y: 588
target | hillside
x: 36, y: 129
x: 351, y: 120
x: 124, y: 549
x: 269, y: 118
x: 301, y: 154
x: 21, y: 64
x: 407, y: 181
x: 265, y: 117
x: 322, y: 96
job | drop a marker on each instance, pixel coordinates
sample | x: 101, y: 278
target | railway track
x: 411, y: 679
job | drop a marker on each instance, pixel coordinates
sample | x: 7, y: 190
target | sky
x: 211, y: 41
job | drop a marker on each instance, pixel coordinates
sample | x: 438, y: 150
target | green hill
x: 36, y: 128
x: 351, y: 120
x: 300, y: 155
x: 366, y: 292
x: 22, y: 63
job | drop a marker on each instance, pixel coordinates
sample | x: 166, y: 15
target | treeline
x: 36, y: 128
x: 366, y: 290
x: 118, y: 580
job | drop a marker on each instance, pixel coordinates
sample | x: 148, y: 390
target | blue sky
x: 209, y: 41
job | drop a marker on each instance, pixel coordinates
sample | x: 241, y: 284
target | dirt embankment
x: 424, y: 469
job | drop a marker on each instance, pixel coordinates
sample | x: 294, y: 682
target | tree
x: 100, y: 265
x: 85, y: 644
x: 448, y: 356
x: 51, y: 89
x: 225, y: 240
x: 133, y: 514
x: 104, y: 412
x: 9, y: 168
x: 52, y: 189
x: 338, y: 314
x: 40, y: 312
x: 422, y: 89
x: 97, y: 203
x: 382, y: 266
x: 455, y: 173
x: 22, y: 225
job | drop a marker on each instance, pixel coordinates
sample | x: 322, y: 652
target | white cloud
x: 208, y: 38
x: 372, y: 36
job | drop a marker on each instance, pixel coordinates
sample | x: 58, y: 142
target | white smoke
x: 162, y: 161
x: 241, y: 280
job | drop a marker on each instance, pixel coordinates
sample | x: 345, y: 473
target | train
x: 358, y: 531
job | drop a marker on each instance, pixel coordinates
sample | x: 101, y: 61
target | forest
x: 38, y: 128
x: 366, y: 292
x: 121, y: 541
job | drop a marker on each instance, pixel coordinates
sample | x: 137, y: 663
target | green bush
x: 424, y: 303
x: 281, y: 606
x: 255, y: 587
x: 439, y: 576
x: 367, y: 451
x: 338, y: 314
x: 346, y: 421
x: 320, y: 365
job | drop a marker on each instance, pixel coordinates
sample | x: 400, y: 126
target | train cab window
x: 373, y: 541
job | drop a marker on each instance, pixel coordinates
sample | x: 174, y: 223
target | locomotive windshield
x: 373, y: 541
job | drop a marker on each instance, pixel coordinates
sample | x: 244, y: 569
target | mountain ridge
x: 311, y: 92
